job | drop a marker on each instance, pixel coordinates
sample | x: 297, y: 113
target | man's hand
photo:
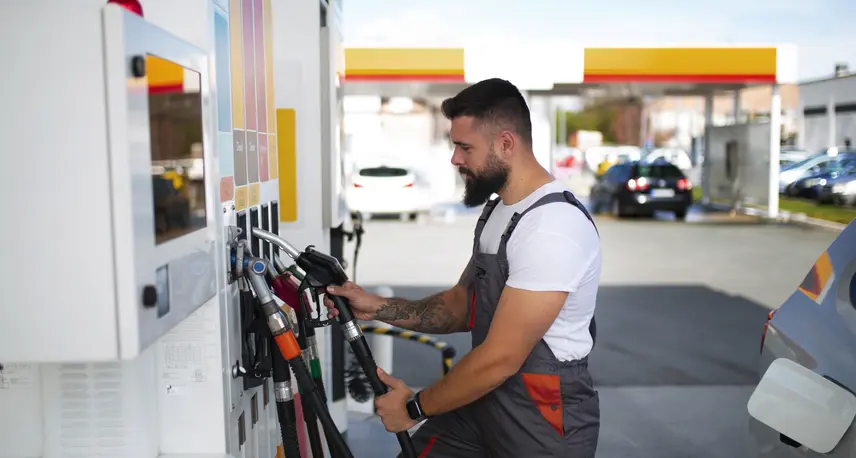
x: 392, y: 406
x: 363, y: 303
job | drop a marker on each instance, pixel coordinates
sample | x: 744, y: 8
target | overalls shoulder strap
x: 565, y: 196
x: 488, y: 209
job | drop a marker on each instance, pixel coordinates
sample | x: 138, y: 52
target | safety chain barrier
x: 447, y: 351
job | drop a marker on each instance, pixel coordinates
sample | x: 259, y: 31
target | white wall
x: 817, y: 94
x: 821, y: 95
x: 542, y: 130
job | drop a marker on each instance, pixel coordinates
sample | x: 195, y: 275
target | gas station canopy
x: 568, y: 70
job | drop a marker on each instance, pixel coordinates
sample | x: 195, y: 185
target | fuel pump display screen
x: 175, y: 120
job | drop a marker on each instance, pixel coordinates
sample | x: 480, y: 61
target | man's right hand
x: 364, y: 304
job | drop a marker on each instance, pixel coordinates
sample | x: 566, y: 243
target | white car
x: 804, y: 405
x: 812, y: 165
x: 387, y: 190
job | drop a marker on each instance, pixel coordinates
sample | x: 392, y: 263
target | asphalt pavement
x: 680, y: 311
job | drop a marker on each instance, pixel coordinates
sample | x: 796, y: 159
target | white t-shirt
x: 553, y: 248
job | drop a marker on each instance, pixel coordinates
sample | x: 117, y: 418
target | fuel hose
x: 364, y: 357
x: 285, y: 409
x: 286, y: 291
x: 308, y: 331
x: 290, y: 350
x: 322, y: 270
x: 286, y: 343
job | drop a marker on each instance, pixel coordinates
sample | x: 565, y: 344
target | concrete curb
x: 784, y: 217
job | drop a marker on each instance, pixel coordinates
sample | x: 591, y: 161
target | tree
x: 597, y: 117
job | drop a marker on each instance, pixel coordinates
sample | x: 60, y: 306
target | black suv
x: 641, y: 188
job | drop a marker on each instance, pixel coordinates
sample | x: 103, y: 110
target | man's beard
x: 478, y: 188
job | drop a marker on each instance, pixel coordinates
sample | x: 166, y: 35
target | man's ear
x: 506, y: 143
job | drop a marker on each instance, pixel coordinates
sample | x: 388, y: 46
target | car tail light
x: 408, y: 185
x: 684, y: 184
x: 357, y: 185
x: 766, y: 326
x: 637, y: 184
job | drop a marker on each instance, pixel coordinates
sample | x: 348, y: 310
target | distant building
x: 829, y: 110
x: 682, y: 118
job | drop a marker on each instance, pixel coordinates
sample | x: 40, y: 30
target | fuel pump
x: 255, y: 271
x: 322, y: 270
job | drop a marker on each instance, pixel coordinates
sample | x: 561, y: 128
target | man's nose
x: 457, y: 159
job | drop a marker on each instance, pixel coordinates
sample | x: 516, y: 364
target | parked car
x: 811, y: 165
x: 840, y: 190
x: 809, y: 186
x: 638, y: 188
x: 804, y: 404
x: 387, y: 190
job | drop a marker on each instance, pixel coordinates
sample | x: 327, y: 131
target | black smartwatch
x: 414, y: 408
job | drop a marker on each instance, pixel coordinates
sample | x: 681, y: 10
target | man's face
x: 484, y: 172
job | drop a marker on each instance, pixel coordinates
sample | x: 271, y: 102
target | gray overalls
x: 548, y: 409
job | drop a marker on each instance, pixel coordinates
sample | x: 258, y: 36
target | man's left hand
x: 391, y: 407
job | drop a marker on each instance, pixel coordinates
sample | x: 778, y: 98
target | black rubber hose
x: 364, y: 356
x: 287, y: 415
x: 285, y: 409
x: 313, y: 432
x: 281, y: 374
x: 319, y: 382
x: 310, y: 396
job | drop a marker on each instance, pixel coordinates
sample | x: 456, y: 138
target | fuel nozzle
x: 322, y: 270
x: 277, y: 321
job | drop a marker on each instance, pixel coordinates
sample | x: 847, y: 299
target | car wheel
x: 414, y: 216
x: 681, y: 214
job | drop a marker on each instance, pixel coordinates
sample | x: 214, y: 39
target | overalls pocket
x: 582, y: 426
x: 546, y: 393
x: 486, y: 289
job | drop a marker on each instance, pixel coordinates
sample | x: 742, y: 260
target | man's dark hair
x: 494, y: 102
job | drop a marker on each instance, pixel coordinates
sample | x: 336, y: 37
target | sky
x: 823, y: 30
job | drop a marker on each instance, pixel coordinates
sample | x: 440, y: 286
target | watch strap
x: 414, y: 408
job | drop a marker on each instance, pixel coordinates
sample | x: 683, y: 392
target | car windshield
x: 383, y: 172
x: 664, y: 171
x: 803, y: 162
x: 840, y: 164
x: 815, y: 159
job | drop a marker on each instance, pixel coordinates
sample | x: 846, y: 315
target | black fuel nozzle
x: 320, y: 271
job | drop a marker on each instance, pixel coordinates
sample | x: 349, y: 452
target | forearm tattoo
x: 430, y: 315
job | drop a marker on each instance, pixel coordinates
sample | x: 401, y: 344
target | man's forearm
x: 435, y: 314
x: 478, y: 373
